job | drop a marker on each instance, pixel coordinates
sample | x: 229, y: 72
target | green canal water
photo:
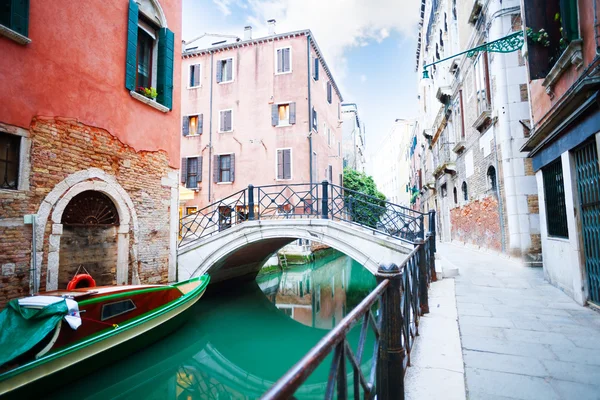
x: 238, y: 342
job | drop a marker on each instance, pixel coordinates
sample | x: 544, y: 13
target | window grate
x: 554, y: 193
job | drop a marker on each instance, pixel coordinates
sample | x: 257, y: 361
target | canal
x: 239, y: 341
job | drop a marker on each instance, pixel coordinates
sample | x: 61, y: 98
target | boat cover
x: 26, y: 322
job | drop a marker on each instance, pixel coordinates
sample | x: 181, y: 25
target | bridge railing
x: 392, y: 312
x: 317, y: 200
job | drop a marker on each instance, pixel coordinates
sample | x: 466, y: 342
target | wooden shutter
x: 568, y: 14
x: 232, y: 167
x: 199, y: 171
x: 228, y: 120
x: 222, y: 121
x: 286, y: 60
x: 287, y: 164
x: 330, y: 174
x: 183, y: 170
x: 216, y: 169
x: 279, y: 60
x: 316, y: 71
x: 274, y: 115
x: 164, y: 76
x: 329, y: 92
x: 132, y: 36
x: 19, y: 16
x: 200, y: 121
x: 280, y: 164
x: 229, y: 66
x: 219, y: 71
x: 185, y: 125
x: 292, y: 113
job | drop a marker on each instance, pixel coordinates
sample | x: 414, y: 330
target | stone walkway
x: 521, y: 337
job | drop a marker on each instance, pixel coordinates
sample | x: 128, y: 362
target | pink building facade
x: 260, y: 111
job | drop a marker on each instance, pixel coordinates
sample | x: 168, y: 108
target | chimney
x: 271, y: 24
x: 247, y: 32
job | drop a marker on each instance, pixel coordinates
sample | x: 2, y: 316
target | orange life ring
x: 81, y: 281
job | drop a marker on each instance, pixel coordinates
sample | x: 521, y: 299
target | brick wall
x: 477, y: 223
x: 61, y: 147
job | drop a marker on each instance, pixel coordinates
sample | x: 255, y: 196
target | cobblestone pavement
x: 521, y: 337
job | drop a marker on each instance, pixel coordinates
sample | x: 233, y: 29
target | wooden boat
x: 115, y: 321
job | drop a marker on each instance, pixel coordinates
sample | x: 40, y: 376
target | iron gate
x: 588, y: 184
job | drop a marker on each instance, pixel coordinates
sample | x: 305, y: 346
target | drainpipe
x: 210, y: 121
x: 310, y: 150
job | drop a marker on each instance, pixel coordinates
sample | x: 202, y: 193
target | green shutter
x: 568, y: 11
x: 132, y: 36
x: 19, y: 16
x: 164, y: 79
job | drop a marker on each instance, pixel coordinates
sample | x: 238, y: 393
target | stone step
x: 445, y: 269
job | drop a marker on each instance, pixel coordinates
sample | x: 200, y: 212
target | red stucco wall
x: 75, y: 67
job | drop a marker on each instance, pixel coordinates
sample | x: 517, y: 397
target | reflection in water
x: 237, y: 343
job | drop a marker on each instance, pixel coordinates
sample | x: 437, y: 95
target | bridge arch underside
x: 239, y: 252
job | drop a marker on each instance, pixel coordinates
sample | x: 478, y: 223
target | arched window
x: 455, y: 195
x: 491, y: 177
x: 464, y: 190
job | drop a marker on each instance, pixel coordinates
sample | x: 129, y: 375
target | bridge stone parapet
x: 240, y: 251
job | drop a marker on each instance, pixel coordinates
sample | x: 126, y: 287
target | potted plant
x: 147, y: 92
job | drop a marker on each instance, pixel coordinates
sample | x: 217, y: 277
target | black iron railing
x: 319, y: 200
x: 400, y: 299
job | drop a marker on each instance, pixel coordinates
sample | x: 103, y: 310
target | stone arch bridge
x: 232, y: 238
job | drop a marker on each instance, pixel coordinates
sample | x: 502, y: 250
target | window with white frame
x: 315, y: 120
x: 329, y: 136
x: 191, y: 171
x: 329, y: 92
x: 195, y: 75
x: 283, y: 60
x: 146, y: 53
x: 225, y: 70
x: 192, y: 125
x: 284, y: 163
x: 225, y: 168
x: 225, y: 121
x: 283, y: 114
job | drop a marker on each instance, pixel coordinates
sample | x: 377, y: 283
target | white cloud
x: 224, y: 6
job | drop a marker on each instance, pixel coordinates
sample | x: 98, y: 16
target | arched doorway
x: 89, y: 240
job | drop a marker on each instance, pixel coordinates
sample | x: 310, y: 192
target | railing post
x: 432, y: 229
x: 250, y: 202
x: 390, y: 365
x: 423, y: 277
x: 431, y: 249
x: 325, y: 201
x: 422, y: 230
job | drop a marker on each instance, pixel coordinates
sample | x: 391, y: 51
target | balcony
x: 484, y: 112
x: 443, y: 159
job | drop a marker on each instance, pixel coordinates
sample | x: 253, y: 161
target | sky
x: 368, y: 44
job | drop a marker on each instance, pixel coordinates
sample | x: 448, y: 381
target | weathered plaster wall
x: 75, y: 67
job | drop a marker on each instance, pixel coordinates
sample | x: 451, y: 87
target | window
x: 284, y: 164
x: 314, y: 176
x: 329, y: 92
x: 224, y: 168
x: 145, y: 54
x: 316, y: 68
x: 283, y: 114
x: 192, y: 125
x: 458, y: 117
x: 284, y: 60
x: 195, y: 75
x: 455, y: 195
x: 330, y: 174
x: 225, y: 70
x: 150, y: 52
x: 554, y: 198
x: 191, y: 171
x: 482, y: 83
x: 339, y: 149
x: 465, y: 192
x: 14, y: 14
x: 225, y: 121
x: 491, y: 177
x: 329, y: 136
x: 111, y: 310
x: 315, y: 120
x: 191, y: 210
x: 10, y: 147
